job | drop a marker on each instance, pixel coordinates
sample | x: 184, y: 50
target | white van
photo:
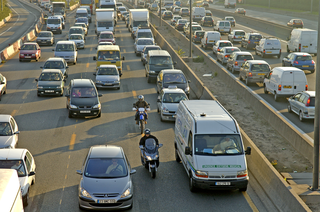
x: 10, y: 192
x: 222, y: 27
x: 209, y: 145
x: 269, y: 46
x: 303, y: 40
x: 285, y: 82
x: 54, y: 24
x: 81, y: 13
x: 209, y: 39
x: 198, y: 13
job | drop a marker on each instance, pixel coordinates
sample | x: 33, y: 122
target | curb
x: 5, y: 20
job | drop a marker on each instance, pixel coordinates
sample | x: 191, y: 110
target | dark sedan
x: 180, y: 24
x: 207, y: 21
x: 51, y: 83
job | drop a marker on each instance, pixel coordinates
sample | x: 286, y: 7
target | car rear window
x: 255, y: 37
x: 312, y: 101
x: 200, y: 34
x: 224, y: 24
x: 304, y: 58
x: 144, y: 42
x: 297, y: 21
x: 260, y: 68
x: 239, y: 33
x: 232, y: 50
x: 223, y: 44
x: 107, y: 35
x: 244, y: 57
x: 144, y: 35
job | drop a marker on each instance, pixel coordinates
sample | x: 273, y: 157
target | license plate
x: 305, y: 46
x: 269, y: 52
x: 260, y: 74
x: 85, y: 111
x: 107, y: 83
x: 222, y: 30
x: 197, y: 16
x: 49, y: 91
x: 287, y: 86
x: 211, y: 41
x: 223, y: 183
x: 27, y: 57
x: 256, y: 42
x: 305, y: 66
x: 106, y: 201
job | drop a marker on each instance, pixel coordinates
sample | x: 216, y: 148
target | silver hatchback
x: 303, y: 104
x: 236, y: 59
x: 253, y: 71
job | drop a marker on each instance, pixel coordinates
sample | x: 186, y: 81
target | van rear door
x: 286, y: 83
x: 309, y: 42
x: 299, y: 81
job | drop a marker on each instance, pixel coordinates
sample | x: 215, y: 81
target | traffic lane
x: 271, y: 17
x: 25, y: 19
x: 307, y: 126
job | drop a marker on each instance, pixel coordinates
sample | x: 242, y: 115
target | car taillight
x: 306, y: 87
x: 234, y: 36
x: 195, y: 36
x: 299, y: 47
x: 312, y: 62
x: 236, y: 63
x: 249, y: 74
x: 308, y: 102
x: 218, y: 50
x: 249, y: 42
x: 226, y: 56
x: 264, y: 51
x: 279, y: 87
x: 296, y: 62
x: 206, y: 40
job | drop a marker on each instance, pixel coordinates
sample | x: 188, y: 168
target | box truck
x: 104, y: 20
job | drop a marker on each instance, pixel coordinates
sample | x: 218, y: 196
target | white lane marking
x: 14, y: 22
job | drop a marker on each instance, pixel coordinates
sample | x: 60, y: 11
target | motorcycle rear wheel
x: 142, y: 126
x: 153, y: 172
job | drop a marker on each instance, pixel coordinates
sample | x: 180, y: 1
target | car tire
x: 26, y: 199
x: 161, y: 117
x: 192, y: 188
x: 177, y: 156
x: 232, y: 70
x: 243, y: 189
x: 265, y: 89
x: 312, y: 71
x: 276, y: 97
x: 149, y: 80
x: 289, y: 108
x: 69, y: 115
x: 5, y: 90
x: 75, y: 62
x: 301, y: 116
x: 98, y: 116
x: 283, y: 64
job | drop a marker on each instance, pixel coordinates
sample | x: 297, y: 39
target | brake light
x: 226, y: 55
x: 249, y: 42
x: 296, y: 62
x: 236, y: 63
x: 312, y: 62
x: 218, y: 50
x: 249, y: 74
x: 206, y: 40
x: 264, y: 51
x: 279, y: 87
x: 308, y: 102
x: 306, y: 87
x: 299, y: 47
x: 234, y: 36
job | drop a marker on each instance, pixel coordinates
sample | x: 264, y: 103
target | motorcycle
x: 150, y: 156
x: 141, y: 117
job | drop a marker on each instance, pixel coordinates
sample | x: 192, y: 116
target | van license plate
x: 287, y: 86
x: 305, y: 46
x: 269, y: 52
x: 223, y: 183
x: 305, y: 66
x: 106, y: 201
x: 260, y: 74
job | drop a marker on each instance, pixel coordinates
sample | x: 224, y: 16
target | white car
x: 225, y: 53
x: 22, y: 161
x: 141, y: 43
x: 78, y: 39
x: 3, y: 85
x: 8, y: 132
x: 219, y: 45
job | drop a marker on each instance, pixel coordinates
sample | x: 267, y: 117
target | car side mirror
x: 94, y: 57
x: 64, y: 80
x: 133, y: 171
x: 248, y: 151
x: 160, y: 145
x: 158, y: 100
x: 94, y: 74
x: 189, y: 81
x: 187, y: 150
x: 36, y: 80
x: 99, y: 95
x: 53, y: 50
x: 17, y: 132
x: 67, y: 67
x: 41, y: 66
x: 67, y: 38
x: 120, y: 75
x: 31, y: 173
x: 79, y: 172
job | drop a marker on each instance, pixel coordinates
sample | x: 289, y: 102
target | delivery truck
x: 104, y: 20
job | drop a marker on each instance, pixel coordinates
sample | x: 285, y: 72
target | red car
x: 298, y: 23
x: 30, y: 51
x: 107, y: 36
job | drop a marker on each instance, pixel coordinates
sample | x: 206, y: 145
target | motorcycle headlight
x: 73, y: 106
x: 148, y: 157
x: 84, y: 193
x: 40, y: 87
x: 126, y: 193
x: 97, y: 106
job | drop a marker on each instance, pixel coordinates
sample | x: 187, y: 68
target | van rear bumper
x: 212, y: 184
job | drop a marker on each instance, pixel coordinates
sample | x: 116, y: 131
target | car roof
x: 82, y: 83
x: 310, y: 93
x: 76, y: 34
x: 153, y: 46
x: 145, y: 39
x: 257, y: 62
x: 108, y: 48
x: 106, y: 32
x: 300, y: 53
x: 171, y: 71
x: 108, y: 66
x: 223, y: 41
x: 55, y: 59
x: 45, y: 32
x: 243, y: 53
x: 158, y: 53
x: 228, y: 17
x: 173, y: 90
x: 4, y: 118
x: 51, y: 71
x: 65, y: 42
x: 238, y: 30
x: 106, y: 151
x: 30, y: 43
x: 12, y: 154
x: 75, y: 27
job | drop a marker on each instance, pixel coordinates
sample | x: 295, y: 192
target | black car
x: 250, y: 40
x: 180, y: 24
x: 51, y: 83
x: 197, y: 36
x: 83, y: 98
x: 207, y: 21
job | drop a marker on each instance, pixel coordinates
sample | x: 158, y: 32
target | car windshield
x: 239, y: 33
x: 174, y: 78
x: 144, y: 35
x: 50, y: 77
x: 232, y: 50
x: 75, y: 31
x: 304, y: 58
x: 105, y: 168
x: 53, y: 65
x: 109, y: 55
x: 76, y: 37
x: 144, y: 42
x: 83, y: 92
x: 260, y: 68
x: 108, y: 71
x: 244, y: 57
x: 160, y: 60
x: 65, y: 48
x: 28, y: 47
x: 174, y: 97
x: 44, y: 34
x: 255, y: 37
x: 106, y: 35
x: 105, y: 24
x: 14, y: 164
x: 5, y: 129
x: 217, y: 144
x: 223, y: 44
x: 53, y: 21
x: 201, y: 34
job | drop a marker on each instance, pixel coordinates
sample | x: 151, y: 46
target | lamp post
x: 190, y: 25
x: 160, y: 13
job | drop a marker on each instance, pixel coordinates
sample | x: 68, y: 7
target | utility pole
x: 160, y: 13
x: 190, y: 25
x: 311, y: 6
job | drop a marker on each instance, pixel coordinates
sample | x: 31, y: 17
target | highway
x: 60, y: 144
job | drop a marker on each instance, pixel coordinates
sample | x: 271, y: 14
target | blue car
x: 300, y: 60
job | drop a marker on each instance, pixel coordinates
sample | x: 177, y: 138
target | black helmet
x: 140, y: 97
x: 147, y: 131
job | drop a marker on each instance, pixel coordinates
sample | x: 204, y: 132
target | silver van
x: 67, y: 50
x: 54, y: 24
x: 222, y: 27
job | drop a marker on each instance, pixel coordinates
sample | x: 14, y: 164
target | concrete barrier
x: 5, y: 20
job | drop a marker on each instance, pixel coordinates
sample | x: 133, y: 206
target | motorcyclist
x: 143, y: 141
x: 141, y: 104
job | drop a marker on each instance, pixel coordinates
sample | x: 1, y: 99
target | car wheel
x: 301, y: 116
x: 5, y: 90
x: 177, y: 156
x: 99, y: 115
x: 283, y: 64
x: 75, y: 62
x: 243, y: 189
x: 26, y: 199
x: 312, y: 71
x: 192, y: 188
x: 161, y: 117
x: 276, y: 97
x: 69, y: 114
x: 289, y: 108
x: 265, y: 89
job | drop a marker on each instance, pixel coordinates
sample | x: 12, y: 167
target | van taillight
x: 234, y: 36
x: 248, y: 41
x: 308, y: 102
x: 312, y: 62
x: 236, y: 63
x: 296, y: 62
x: 306, y: 87
x: 206, y: 40
x: 226, y: 55
x: 264, y: 51
x: 195, y: 36
x: 249, y: 74
x: 279, y: 87
x: 299, y: 47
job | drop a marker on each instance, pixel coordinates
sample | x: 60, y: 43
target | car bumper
x: 197, y: 40
x: 211, y: 184
x: 236, y: 68
x: 305, y: 68
x: 207, y: 24
x: 237, y: 39
x: 208, y: 45
x: 49, y: 92
x: 167, y: 116
x: 108, y: 85
x: 179, y: 28
x: 80, y: 45
x: 197, y: 19
x: 84, y: 112
x: 250, y: 79
x: 41, y: 42
x: 91, y: 204
x: 54, y: 30
x: 27, y: 57
x: 69, y: 60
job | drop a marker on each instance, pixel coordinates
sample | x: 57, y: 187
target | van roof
x: 305, y: 30
x: 108, y: 48
x: 12, y: 154
x: 158, y: 53
x: 287, y: 69
x: 210, y: 117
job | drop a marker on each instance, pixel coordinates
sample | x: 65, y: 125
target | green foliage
x: 180, y: 52
x: 215, y: 74
x: 6, y: 11
x: 198, y: 59
x: 304, y: 5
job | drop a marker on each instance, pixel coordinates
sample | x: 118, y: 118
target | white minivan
x: 303, y: 40
x: 81, y: 13
x: 198, y: 13
x: 269, y: 46
x: 54, y: 24
x: 209, y: 39
x: 209, y: 145
x: 222, y: 27
x: 285, y: 82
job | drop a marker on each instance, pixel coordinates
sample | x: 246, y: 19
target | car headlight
x: 165, y: 109
x: 33, y: 55
x: 243, y: 173
x: 117, y: 81
x: 21, y: 54
x: 73, y: 106
x: 98, y: 81
x: 201, y: 174
x: 40, y: 87
x: 126, y: 193
x: 187, y: 89
x: 82, y: 42
x: 97, y: 106
x: 152, y: 72
x: 84, y: 193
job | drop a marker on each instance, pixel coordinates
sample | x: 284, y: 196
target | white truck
x: 104, y: 21
x: 138, y: 18
x: 230, y: 3
x: 10, y: 192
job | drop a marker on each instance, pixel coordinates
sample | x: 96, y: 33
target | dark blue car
x: 300, y: 60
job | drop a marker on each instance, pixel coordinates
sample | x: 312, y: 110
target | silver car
x: 141, y: 43
x: 105, y: 182
x: 303, y: 104
x: 8, y: 132
x: 253, y: 71
x: 67, y: 50
x: 236, y: 59
x: 168, y: 102
x: 219, y: 45
x: 56, y: 63
x: 236, y: 36
x: 145, y: 50
x: 107, y: 76
x: 78, y: 39
x: 225, y: 53
x: 45, y: 37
